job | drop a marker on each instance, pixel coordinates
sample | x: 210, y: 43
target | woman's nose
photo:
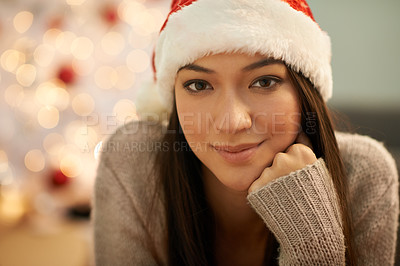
x: 232, y: 115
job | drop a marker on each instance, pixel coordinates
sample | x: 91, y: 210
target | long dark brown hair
x: 190, y: 222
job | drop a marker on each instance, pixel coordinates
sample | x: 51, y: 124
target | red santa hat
x: 281, y: 29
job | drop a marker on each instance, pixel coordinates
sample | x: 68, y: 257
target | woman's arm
x: 120, y: 234
x: 301, y: 209
x: 125, y: 232
x: 373, y: 181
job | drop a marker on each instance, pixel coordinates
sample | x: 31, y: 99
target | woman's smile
x: 239, y: 153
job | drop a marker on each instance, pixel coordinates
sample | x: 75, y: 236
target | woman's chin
x: 237, y: 181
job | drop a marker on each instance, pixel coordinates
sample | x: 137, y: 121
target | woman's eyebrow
x: 261, y: 63
x: 197, y: 68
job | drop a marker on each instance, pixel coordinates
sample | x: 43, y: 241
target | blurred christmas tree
x: 69, y: 74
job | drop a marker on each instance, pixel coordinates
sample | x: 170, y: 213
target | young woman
x: 249, y: 170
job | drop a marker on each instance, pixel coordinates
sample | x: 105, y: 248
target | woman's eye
x: 265, y: 82
x: 197, y: 85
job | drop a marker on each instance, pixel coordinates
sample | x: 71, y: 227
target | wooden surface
x: 61, y: 244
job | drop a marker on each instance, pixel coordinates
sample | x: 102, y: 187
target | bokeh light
x: 83, y: 104
x: 12, y: 206
x: 50, y: 93
x: 82, y: 48
x: 23, y: 21
x: 11, y: 59
x: 144, y: 21
x: 48, y: 117
x: 26, y: 75
x: 53, y: 143
x: 125, y: 111
x: 106, y: 77
x: 34, y: 160
x: 126, y: 78
x: 75, y: 2
x: 113, y: 43
x: 44, y: 55
x: 64, y: 42
x: 71, y: 165
x: 128, y: 10
x: 50, y: 36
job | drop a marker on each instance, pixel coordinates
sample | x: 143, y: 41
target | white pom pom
x: 149, y: 105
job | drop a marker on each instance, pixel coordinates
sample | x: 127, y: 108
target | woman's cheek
x: 194, y: 130
x: 283, y: 129
x: 187, y: 122
x: 286, y: 124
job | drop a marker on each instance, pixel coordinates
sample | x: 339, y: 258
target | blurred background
x: 70, y: 71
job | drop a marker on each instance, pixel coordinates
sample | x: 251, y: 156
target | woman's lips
x: 239, y: 153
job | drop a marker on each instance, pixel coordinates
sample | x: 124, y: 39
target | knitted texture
x: 303, y: 214
x: 300, y: 209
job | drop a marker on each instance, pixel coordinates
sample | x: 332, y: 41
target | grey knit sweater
x: 300, y: 209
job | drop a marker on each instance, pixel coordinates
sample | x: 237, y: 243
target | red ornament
x: 110, y: 14
x: 66, y: 74
x: 58, y: 178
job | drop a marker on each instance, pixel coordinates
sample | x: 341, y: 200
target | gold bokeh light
x: 26, y: 75
x: 23, y: 21
x: 34, y: 160
x: 125, y: 111
x: 64, y: 42
x: 113, y: 43
x: 126, y: 78
x: 53, y: 143
x: 44, y: 55
x: 50, y: 36
x: 11, y: 59
x: 48, y: 117
x: 82, y: 48
x: 106, y: 77
x: 71, y: 165
x: 83, y: 104
x: 75, y: 2
x: 49, y: 93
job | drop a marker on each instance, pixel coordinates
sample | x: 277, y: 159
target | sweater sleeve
x: 120, y: 236
x: 373, y: 181
x: 125, y: 232
x: 302, y: 211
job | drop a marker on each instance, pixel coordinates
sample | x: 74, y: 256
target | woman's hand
x: 296, y: 157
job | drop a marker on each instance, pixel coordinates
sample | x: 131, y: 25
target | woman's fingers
x: 265, y: 177
x: 296, y: 157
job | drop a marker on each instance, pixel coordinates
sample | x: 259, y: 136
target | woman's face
x: 237, y: 112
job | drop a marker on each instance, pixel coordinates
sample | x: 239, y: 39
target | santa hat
x: 280, y: 29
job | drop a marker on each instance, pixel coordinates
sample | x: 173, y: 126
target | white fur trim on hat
x: 269, y: 27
